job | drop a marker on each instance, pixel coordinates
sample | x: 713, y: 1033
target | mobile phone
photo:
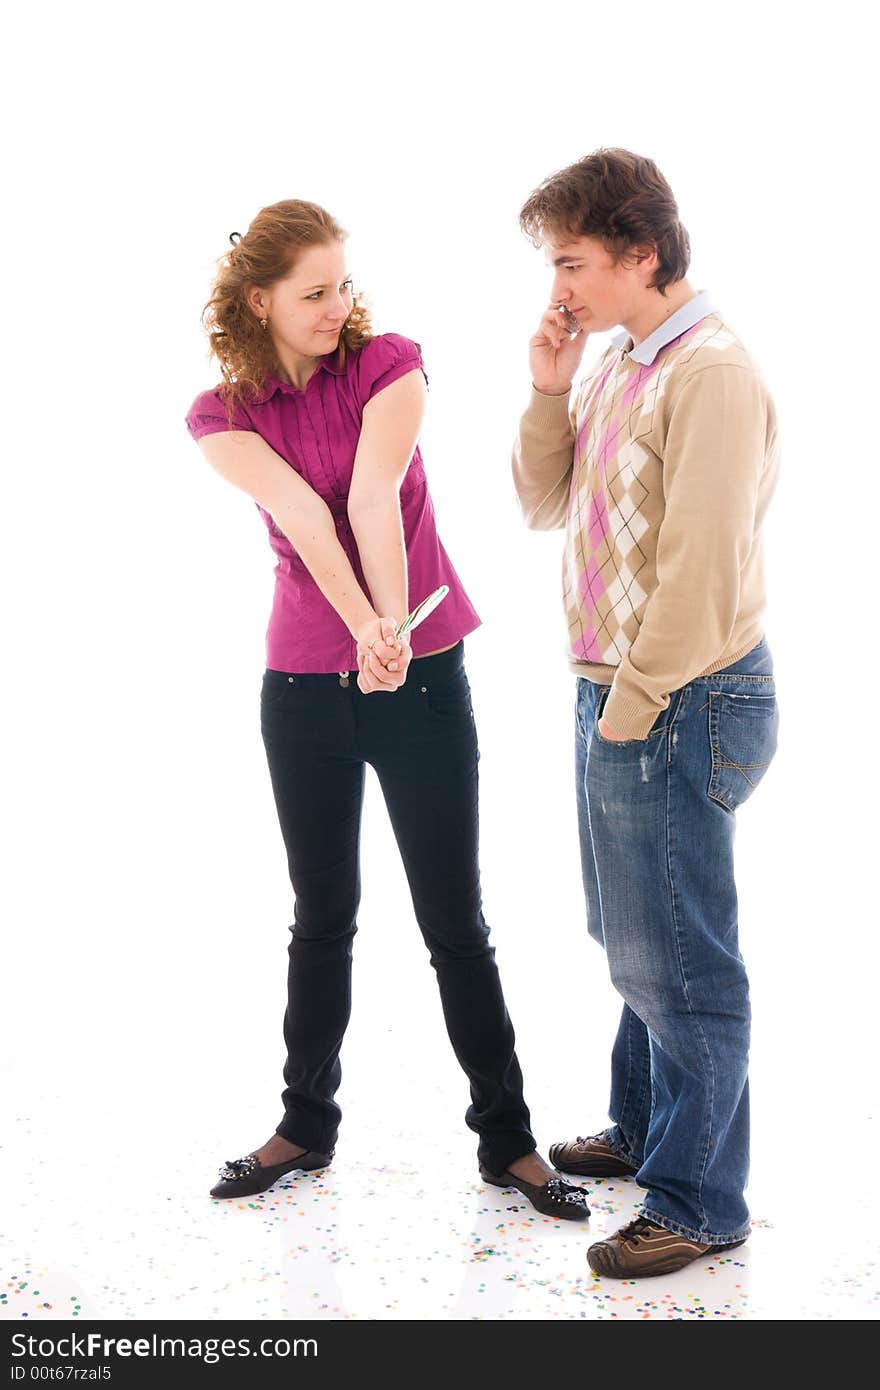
x: 571, y: 323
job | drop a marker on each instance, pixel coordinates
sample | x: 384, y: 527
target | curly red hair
x: 265, y: 254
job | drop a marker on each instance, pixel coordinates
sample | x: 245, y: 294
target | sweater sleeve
x: 543, y: 457
x: 712, y: 465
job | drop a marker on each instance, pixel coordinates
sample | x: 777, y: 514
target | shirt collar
x: 684, y: 318
x: 329, y: 363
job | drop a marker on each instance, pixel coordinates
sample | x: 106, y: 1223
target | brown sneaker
x: 642, y: 1248
x: 590, y: 1157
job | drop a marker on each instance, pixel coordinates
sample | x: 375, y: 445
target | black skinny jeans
x: 422, y: 742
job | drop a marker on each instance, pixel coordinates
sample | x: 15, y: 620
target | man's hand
x: 383, y: 658
x: 554, y: 354
x: 609, y: 734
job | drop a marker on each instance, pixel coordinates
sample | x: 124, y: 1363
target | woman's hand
x: 554, y: 354
x: 383, y: 658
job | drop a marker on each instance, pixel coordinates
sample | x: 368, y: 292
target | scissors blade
x: 423, y: 610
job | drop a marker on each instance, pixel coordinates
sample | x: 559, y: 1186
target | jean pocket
x: 601, y: 702
x: 277, y: 690
x: 742, y: 734
x: 444, y: 692
x: 664, y: 719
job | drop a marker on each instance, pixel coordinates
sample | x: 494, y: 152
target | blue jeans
x: 656, y: 819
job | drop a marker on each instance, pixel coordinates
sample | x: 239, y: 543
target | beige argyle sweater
x: 661, y: 476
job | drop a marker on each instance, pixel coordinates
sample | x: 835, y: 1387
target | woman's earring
x: 264, y: 324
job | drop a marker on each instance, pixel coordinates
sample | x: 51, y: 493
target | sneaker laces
x: 633, y: 1230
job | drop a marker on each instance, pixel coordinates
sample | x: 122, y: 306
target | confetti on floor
x: 420, y: 1238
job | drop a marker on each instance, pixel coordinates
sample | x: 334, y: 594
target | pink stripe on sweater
x: 633, y: 387
x: 598, y: 523
x: 597, y: 389
x: 607, y: 444
x: 591, y: 586
x: 587, y: 646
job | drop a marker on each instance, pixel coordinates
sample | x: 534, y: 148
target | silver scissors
x: 422, y: 610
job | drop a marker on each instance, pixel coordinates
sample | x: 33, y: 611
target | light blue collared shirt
x: 677, y: 323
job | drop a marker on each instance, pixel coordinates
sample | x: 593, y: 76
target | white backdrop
x: 146, y: 898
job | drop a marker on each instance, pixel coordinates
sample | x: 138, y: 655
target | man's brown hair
x: 619, y: 197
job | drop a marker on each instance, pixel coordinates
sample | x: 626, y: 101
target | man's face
x: 599, y: 292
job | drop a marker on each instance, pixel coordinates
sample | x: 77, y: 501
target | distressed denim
x: 656, y: 819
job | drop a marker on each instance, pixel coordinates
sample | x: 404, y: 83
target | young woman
x: 318, y: 421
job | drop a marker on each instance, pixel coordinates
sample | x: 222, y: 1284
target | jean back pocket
x: 743, y: 731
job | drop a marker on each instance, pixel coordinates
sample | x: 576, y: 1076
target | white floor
x: 106, y: 1234
x: 142, y: 1047
x: 108, y: 1213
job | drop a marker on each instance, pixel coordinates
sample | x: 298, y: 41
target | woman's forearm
x: 313, y: 536
x: 245, y: 459
x: 378, y: 531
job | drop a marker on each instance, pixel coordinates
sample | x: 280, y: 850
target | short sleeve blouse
x: 316, y: 431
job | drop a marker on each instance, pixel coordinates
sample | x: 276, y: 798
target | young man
x: 660, y: 469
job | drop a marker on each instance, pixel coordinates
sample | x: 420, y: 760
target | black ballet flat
x: 245, y: 1176
x: 553, y: 1198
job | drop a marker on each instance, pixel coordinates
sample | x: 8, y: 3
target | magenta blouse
x: 317, y: 431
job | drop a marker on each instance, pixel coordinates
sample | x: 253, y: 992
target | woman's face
x: 307, y: 309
